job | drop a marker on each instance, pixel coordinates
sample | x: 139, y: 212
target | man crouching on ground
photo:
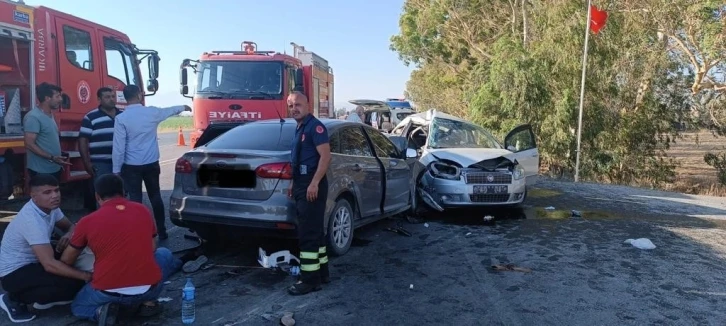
x: 119, y: 230
x: 29, y: 268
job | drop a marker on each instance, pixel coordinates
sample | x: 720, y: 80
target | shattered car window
x: 447, y: 133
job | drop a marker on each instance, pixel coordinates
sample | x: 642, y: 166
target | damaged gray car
x: 460, y: 164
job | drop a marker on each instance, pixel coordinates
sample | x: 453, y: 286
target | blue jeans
x: 88, y: 300
x: 100, y: 168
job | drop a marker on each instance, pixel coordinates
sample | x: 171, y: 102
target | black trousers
x: 57, y: 174
x: 148, y: 174
x: 311, y: 226
x: 32, y: 284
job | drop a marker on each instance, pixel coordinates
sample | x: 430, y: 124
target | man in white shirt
x: 135, y: 154
x: 30, y: 271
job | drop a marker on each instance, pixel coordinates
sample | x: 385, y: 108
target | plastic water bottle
x: 188, y: 314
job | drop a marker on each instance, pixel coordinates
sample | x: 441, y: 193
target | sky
x: 354, y: 36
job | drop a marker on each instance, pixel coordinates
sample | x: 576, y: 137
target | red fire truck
x: 39, y: 44
x: 247, y: 84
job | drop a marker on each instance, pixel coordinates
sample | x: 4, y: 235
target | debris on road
x: 468, y: 233
x: 413, y: 220
x: 550, y: 208
x: 399, y: 230
x: 287, y: 319
x: 576, y: 213
x: 510, y: 268
x: 271, y: 261
x: 164, y: 299
x: 642, y: 243
x: 410, y: 286
x: 488, y: 220
x: 426, y: 225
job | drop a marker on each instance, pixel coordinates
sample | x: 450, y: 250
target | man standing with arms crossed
x: 96, y: 134
x: 136, y: 150
x: 42, y: 139
x: 95, y: 143
x: 309, y: 189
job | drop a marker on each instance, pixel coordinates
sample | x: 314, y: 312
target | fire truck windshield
x: 240, y: 79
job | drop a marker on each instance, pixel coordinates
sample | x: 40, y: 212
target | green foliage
x: 718, y: 161
x: 502, y: 64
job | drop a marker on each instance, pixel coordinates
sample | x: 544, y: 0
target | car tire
x: 340, y: 228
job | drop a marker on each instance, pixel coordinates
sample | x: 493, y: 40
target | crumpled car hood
x: 469, y: 156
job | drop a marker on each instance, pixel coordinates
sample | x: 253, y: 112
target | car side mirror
x: 411, y: 153
x: 183, y: 79
x: 154, y: 66
x: 299, y: 80
x: 152, y: 85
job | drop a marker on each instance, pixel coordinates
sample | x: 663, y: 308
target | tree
x: 505, y: 63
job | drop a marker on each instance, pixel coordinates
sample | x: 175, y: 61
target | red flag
x: 598, y: 18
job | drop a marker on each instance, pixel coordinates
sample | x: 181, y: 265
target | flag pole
x: 582, y: 93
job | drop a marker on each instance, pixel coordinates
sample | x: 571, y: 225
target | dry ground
x: 694, y: 176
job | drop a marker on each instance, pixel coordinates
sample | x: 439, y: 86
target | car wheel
x: 340, y: 228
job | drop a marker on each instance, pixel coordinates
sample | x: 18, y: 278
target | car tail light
x: 281, y: 170
x: 183, y: 166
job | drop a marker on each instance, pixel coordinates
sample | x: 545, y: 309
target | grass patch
x: 559, y: 214
x: 542, y: 193
x: 173, y: 124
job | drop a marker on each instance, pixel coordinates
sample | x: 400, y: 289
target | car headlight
x: 445, y: 171
x: 518, y: 172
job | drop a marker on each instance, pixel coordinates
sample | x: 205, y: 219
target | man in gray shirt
x: 30, y: 269
x: 42, y: 139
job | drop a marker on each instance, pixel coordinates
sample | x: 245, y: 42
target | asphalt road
x: 581, y: 272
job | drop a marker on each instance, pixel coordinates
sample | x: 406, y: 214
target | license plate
x: 486, y: 190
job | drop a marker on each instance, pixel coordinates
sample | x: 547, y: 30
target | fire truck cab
x: 247, y: 84
x: 39, y: 44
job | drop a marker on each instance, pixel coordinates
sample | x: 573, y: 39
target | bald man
x: 309, y: 189
x: 357, y: 116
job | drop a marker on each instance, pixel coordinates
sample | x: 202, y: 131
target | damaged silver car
x: 460, y: 164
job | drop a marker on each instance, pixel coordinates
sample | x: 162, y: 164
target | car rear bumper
x: 270, y: 215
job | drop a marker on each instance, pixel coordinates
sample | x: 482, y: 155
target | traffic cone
x: 181, y: 141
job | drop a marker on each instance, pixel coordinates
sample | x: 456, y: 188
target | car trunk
x: 236, y: 174
x: 214, y: 130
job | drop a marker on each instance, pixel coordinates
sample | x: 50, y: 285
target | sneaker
x: 107, y: 314
x: 44, y: 306
x: 194, y: 265
x: 18, y: 313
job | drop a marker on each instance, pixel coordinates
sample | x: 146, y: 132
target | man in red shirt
x: 129, y: 269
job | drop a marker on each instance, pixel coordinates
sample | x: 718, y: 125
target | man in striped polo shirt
x: 96, y: 136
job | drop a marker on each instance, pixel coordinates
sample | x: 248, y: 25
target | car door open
x: 522, y: 142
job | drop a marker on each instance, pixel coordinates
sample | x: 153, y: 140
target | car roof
x: 329, y: 123
x: 433, y: 113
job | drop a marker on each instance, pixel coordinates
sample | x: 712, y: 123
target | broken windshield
x: 446, y: 133
x: 240, y: 79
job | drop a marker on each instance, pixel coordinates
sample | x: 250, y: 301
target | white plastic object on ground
x: 642, y: 243
x: 275, y: 258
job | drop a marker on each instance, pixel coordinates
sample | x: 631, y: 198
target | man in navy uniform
x: 309, y: 189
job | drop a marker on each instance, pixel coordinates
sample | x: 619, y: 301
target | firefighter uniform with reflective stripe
x: 310, y: 214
